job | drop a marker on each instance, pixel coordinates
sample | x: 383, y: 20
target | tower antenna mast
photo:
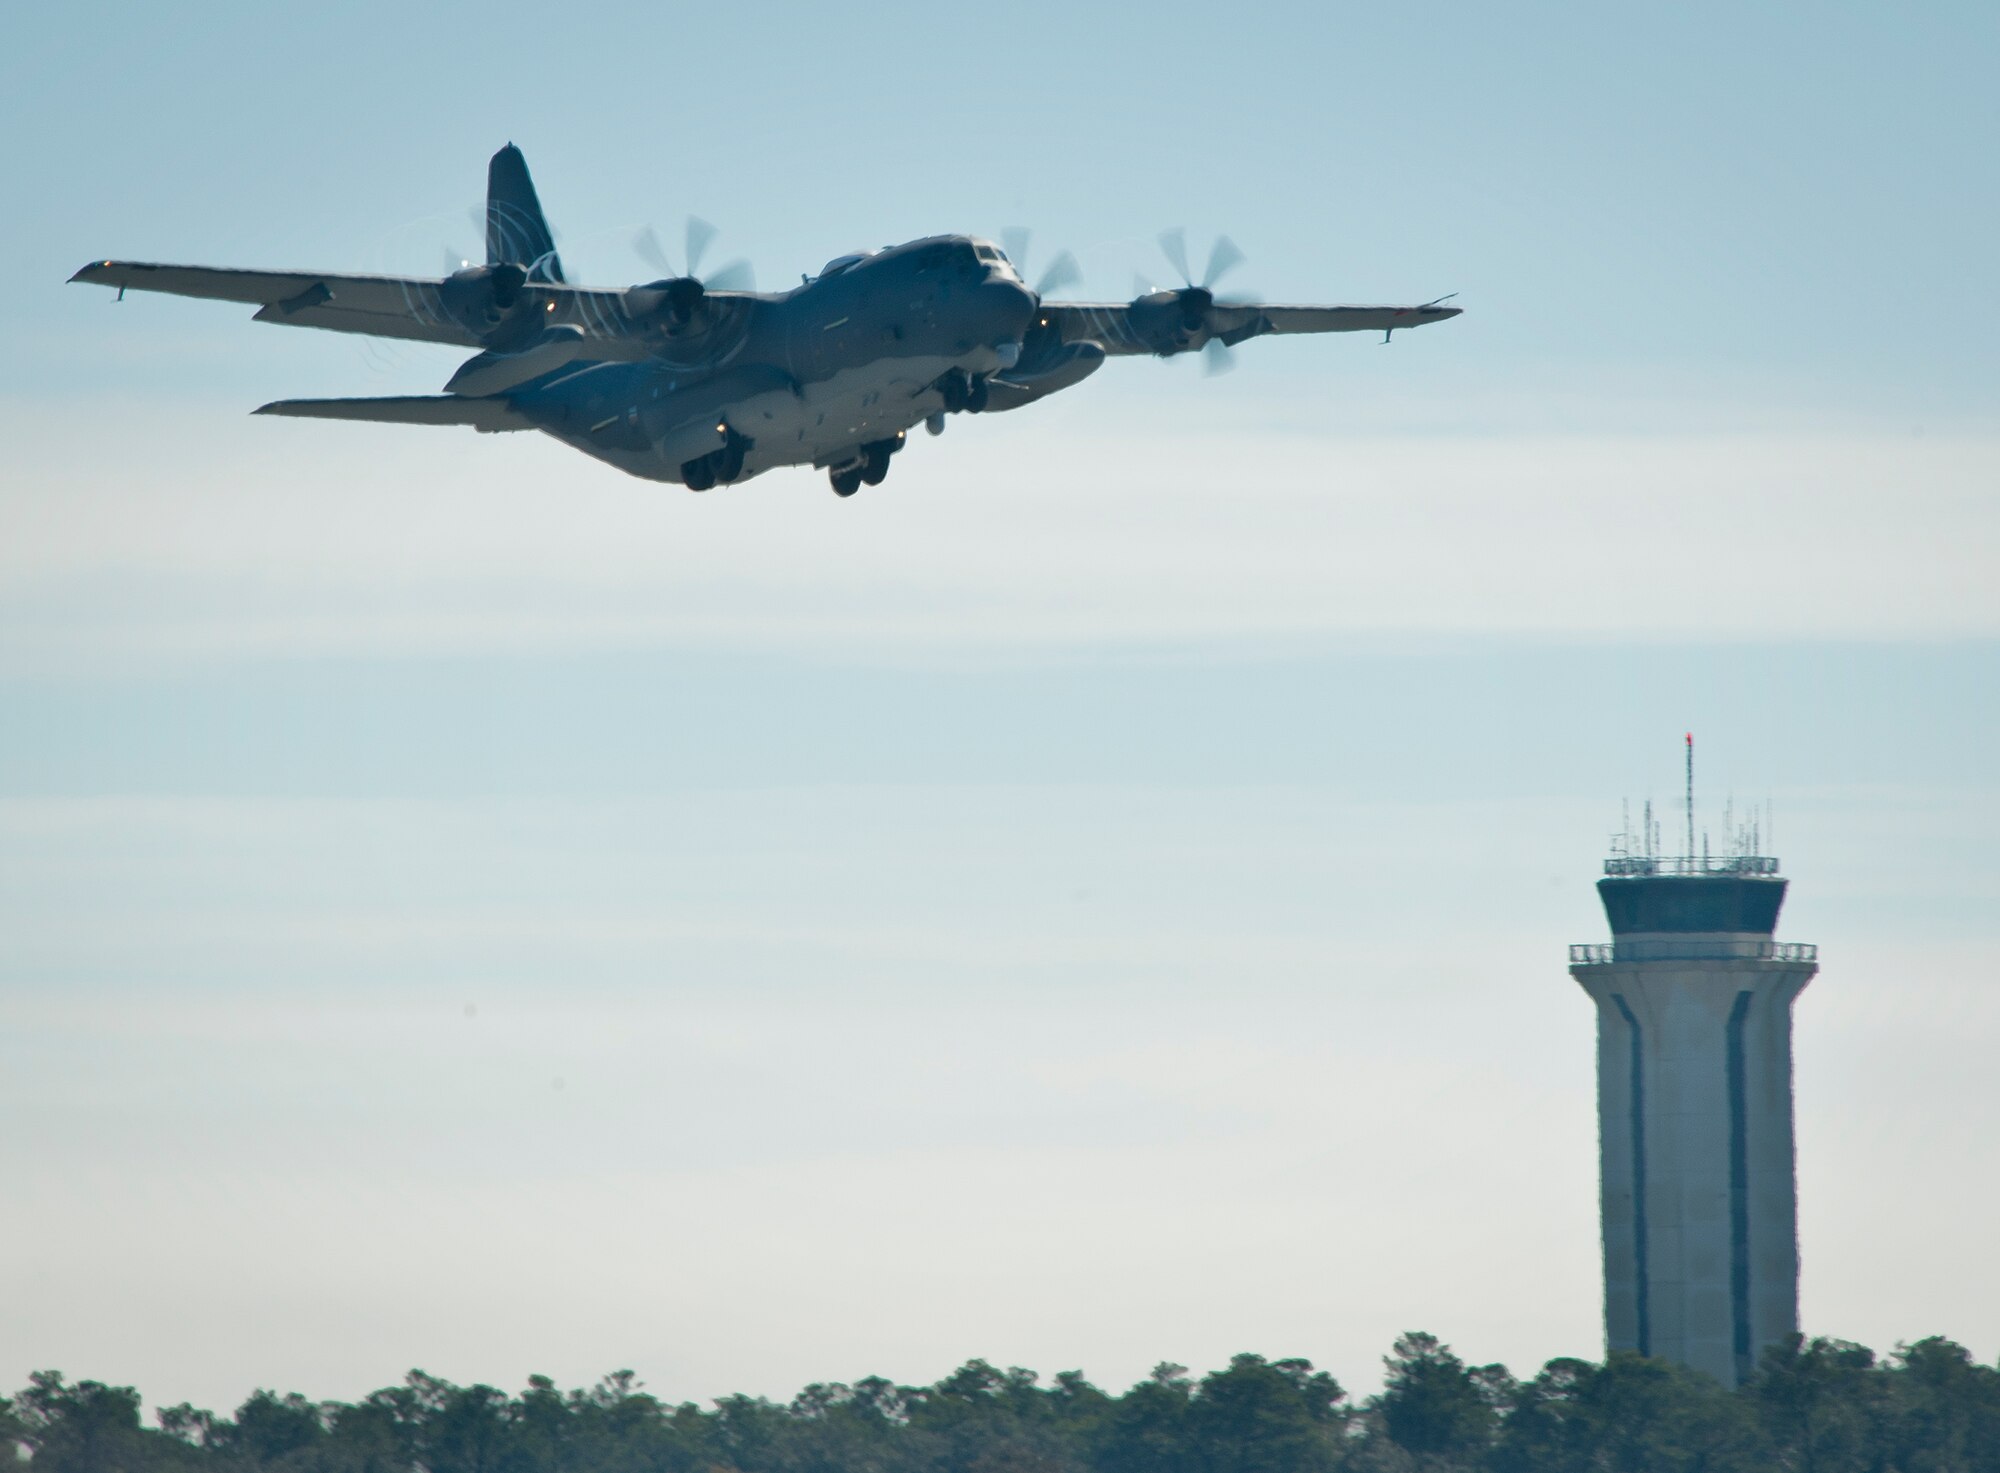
x: 1690, y: 798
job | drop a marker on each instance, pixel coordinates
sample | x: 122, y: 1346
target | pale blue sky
x: 1098, y: 898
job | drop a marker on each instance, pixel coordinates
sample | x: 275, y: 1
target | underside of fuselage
x: 852, y: 359
x: 822, y: 423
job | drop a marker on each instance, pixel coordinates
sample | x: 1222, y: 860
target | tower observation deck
x: 1694, y: 1102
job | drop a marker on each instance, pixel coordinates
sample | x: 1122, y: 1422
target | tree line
x: 1819, y: 1406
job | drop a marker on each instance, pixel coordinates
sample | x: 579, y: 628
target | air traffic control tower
x: 1694, y: 1101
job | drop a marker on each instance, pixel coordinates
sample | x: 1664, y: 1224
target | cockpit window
x: 989, y: 254
x: 841, y: 263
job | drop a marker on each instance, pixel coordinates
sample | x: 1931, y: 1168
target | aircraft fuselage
x: 853, y: 357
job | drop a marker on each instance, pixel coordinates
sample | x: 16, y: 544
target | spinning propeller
x: 1061, y: 272
x: 681, y: 292
x: 1187, y: 307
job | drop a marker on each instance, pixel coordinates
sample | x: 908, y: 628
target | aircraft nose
x: 1011, y: 305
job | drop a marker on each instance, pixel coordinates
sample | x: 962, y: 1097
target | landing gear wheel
x: 846, y: 480
x: 975, y: 401
x: 731, y: 458
x: 875, y: 461
x: 718, y: 466
x: 956, y: 387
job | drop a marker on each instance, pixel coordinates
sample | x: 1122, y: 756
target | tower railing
x: 1691, y: 864
x: 1690, y: 949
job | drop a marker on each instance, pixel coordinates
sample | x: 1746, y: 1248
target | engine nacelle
x: 489, y: 302
x: 1171, y: 321
x: 672, y: 303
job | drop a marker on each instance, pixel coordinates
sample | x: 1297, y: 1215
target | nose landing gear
x: 964, y: 393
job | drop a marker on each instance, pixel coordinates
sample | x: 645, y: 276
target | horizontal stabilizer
x: 489, y: 416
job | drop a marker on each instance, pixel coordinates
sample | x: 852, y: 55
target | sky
x: 1100, y: 897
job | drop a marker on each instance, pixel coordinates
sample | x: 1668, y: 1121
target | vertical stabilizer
x: 516, y: 233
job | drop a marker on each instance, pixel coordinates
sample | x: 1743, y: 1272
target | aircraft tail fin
x: 515, y: 229
x: 489, y: 416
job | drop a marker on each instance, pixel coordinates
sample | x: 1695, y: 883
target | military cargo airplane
x: 703, y: 382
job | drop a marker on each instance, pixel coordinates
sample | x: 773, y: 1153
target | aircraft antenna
x: 1690, y: 798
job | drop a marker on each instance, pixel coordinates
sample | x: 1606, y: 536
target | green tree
x: 1942, y: 1413
x: 1554, y: 1424
x: 13, y: 1432
x: 85, y: 1428
x: 1655, y: 1416
x: 1262, y: 1416
x: 267, y: 1429
x: 1818, y: 1401
x: 1815, y: 1406
x: 542, y: 1435
x: 1147, y: 1429
x: 986, y: 1420
x: 1433, y: 1404
x: 188, y: 1423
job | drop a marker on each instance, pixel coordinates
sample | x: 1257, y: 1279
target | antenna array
x: 1743, y: 847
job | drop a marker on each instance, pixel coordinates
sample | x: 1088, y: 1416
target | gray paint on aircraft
x: 674, y: 381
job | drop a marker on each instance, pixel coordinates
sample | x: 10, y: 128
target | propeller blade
x: 1217, y: 357
x: 699, y: 234
x: 646, y: 246
x: 736, y: 276
x: 1063, y: 272
x: 1014, y: 240
x: 1173, y: 244
x: 1222, y: 258
x: 1141, y: 286
x: 453, y: 260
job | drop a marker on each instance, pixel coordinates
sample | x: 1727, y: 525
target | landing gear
x: 869, y: 470
x: 718, y: 466
x: 963, y: 393
x: 732, y: 458
x: 875, y: 461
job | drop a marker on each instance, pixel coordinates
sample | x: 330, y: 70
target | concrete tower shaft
x: 1694, y: 1097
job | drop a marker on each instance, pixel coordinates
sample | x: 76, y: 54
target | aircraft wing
x: 1351, y: 319
x: 380, y: 306
x: 1122, y: 327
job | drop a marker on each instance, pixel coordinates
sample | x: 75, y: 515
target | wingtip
x: 87, y: 271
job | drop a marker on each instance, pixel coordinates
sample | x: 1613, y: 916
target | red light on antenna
x: 1690, y: 739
